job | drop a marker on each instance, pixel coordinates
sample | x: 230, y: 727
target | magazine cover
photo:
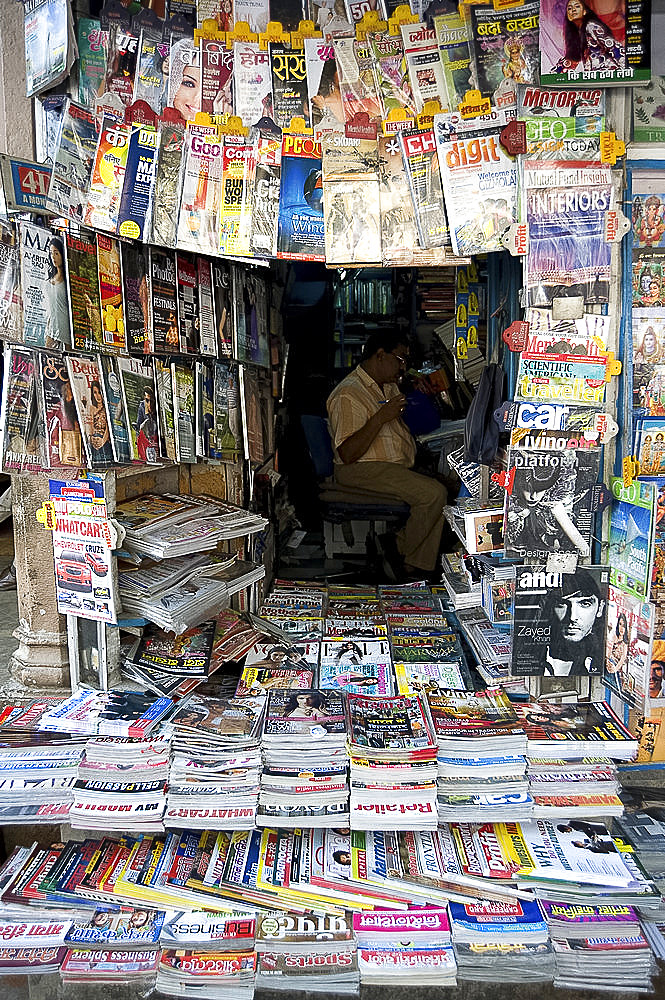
x: 551, y: 504
x: 399, y: 723
x: 235, y: 218
x: 216, y: 77
x: 255, y: 12
x: 425, y: 68
x: 21, y: 445
x: 398, y: 223
x: 628, y: 653
x: 11, y: 305
x: 164, y: 387
x: 631, y: 536
x: 648, y: 327
x: 135, y: 268
x: 165, y: 202
x: 206, y: 343
x: 48, y: 57
x: 226, y: 440
x: 36, y: 291
x: 305, y: 713
x: 223, y: 309
x: 289, y: 85
x: 108, y: 175
x: 184, y: 413
x: 586, y: 43
x: 504, y: 50
x: 64, y: 447
x: 83, y: 281
x: 560, y: 622
x: 151, y: 70
x: 164, y: 301
x: 265, y: 208
x: 110, y: 293
x: 252, y: 82
x: 391, y: 76
x: 455, y: 59
x: 325, y: 99
x: 421, y: 165
x: 138, y: 392
x: 250, y: 295
x: 115, y: 408
x: 92, y: 46
x: 356, y: 80
x: 648, y: 102
x: 187, y: 654
x: 135, y: 200
x: 300, y: 234
x: 184, y: 78
x: 200, y: 192
x: 565, y: 210
x: 225, y: 718
x: 134, y: 929
x: 252, y: 425
x: 205, y: 408
x: 188, y: 304
x: 121, y: 60
x: 479, y: 181
x: 73, y: 162
x: 351, y: 199
x: 86, y: 382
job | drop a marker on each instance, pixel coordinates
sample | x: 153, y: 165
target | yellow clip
x: 46, y: 515
x: 426, y: 117
x: 204, y: 120
x: 274, y: 33
x: 506, y: 4
x: 474, y: 105
x: 370, y: 21
x: 461, y: 350
x: 397, y: 121
x: 233, y: 126
x: 611, y: 148
x: 401, y: 15
x: 208, y: 29
x: 297, y: 127
x: 472, y: 336
x: 241, y: 33
x: 631, y: 470
x: 612, y: 367
x: 306, y: 29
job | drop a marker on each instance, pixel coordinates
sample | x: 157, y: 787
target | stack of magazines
x: 582, y: 787
x: 501, y: 942
x: 295, y: 613
x: 481, y: 757
x: 214, y: 781
x: 304, y: 727
x: 599, y: 947
x: 408, y: 949
x: 132, y: 930
x: 121, y: 784
x: 120, y: 967
x: 214, y: 975
x: 36, y: 782
x: 391, y: 742
x: 32, y: 947
x: 313, y: 952
x: 106, y: 713
x: 202, y: 931
x: 279, y: 665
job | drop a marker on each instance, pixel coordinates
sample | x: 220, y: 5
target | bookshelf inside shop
x: 281, y: 769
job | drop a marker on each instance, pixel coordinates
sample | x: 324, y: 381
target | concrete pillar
x: 41, y: 660
x: 16, y: 113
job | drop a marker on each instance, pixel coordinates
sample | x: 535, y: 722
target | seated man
x: 374, y: 449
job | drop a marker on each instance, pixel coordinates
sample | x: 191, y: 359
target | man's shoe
x: 8, y: 578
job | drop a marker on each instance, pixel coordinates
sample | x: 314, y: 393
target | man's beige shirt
x: 352, y: 403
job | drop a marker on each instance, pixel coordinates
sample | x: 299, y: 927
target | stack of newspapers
x: 32, y: 947
x: 305, y: 768
x: 121, y: 784
x: 481, y: 757
x: 106, y: 713
x: 116, y: 966
x: 392, y: 747
x: 408, y: 949
x: 501, y: 942
x: 214, y: 781
x: 203, y: 931
x: 209, y: 974
x: 113, y: 947
x: 315, y: 952
x: 36, y: 782
x: 599, y: 947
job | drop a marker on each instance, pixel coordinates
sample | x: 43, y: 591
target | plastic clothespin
x: 474, y: 105
x: 370, y: 21
x: 274, y: 33
x: 241, y: 33
x: 397, y: 121
x: 401, y: 15
x: 306, y: 29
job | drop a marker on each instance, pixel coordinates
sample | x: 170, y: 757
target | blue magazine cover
x: 300, y: 226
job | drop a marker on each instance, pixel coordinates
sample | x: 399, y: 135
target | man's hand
x: 392, y: 410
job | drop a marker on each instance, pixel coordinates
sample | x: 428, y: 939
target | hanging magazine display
x: 504, y: 49
x: 47, y: 30
x: 560, y: 622
x: 351, y: 199
x: 226, y: 438
x: 11, y: 305
x: 35, y: 261
x: 73, y: 162
x: 21, y: 445
x: 86, y: 381
x: 630, y: 625
x: 138, y: 392
x: 63, y: 444
x: 300, y: 234
x: 83, y: 281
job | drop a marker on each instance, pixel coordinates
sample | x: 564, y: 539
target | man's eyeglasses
x: 402, y: 361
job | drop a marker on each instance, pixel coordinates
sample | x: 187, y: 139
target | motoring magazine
x: 479, y: 181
